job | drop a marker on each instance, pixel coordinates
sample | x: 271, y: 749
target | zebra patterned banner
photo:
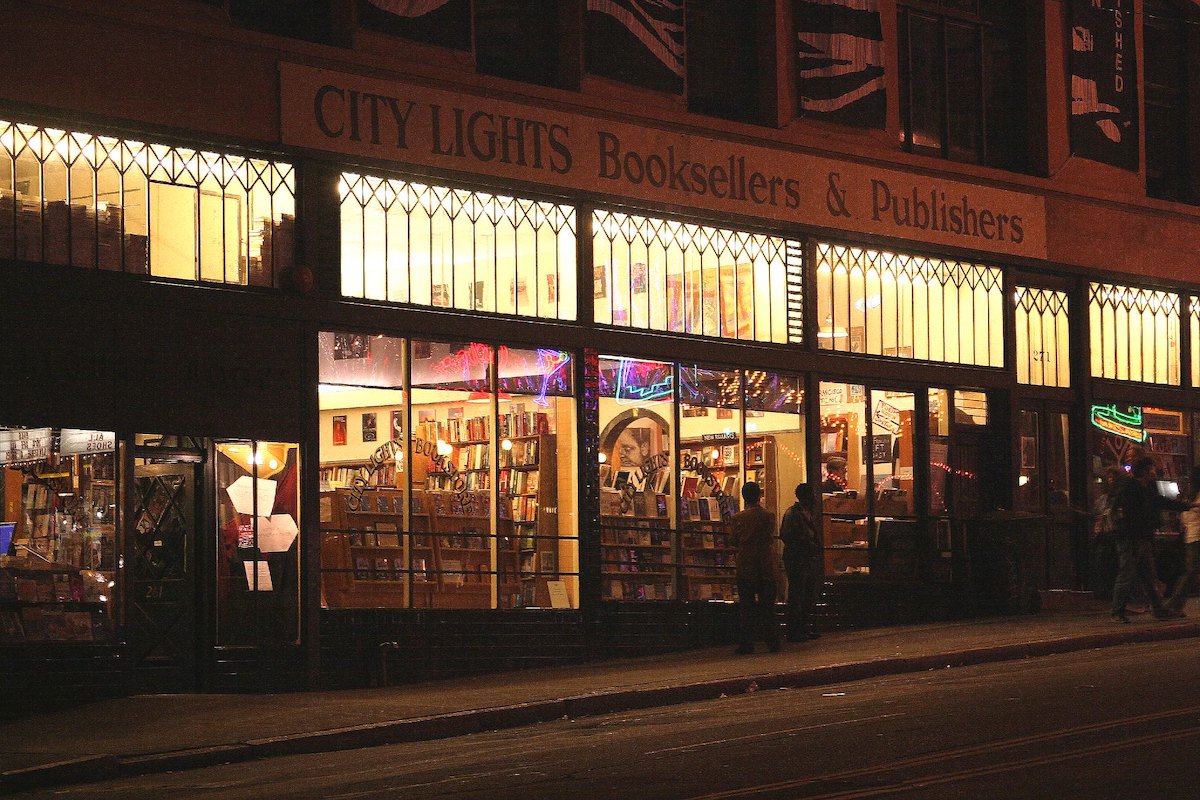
x: 1104, y: 89
x: 637, y: 41
x: 840, y: 61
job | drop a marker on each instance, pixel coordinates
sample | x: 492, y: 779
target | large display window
x: 871, y: 480
x: 59, y: 566
x: 68, y: 197
x: 448, y: 475
x: 408, y: 242
x: 666, y: 521
x: 637, y: 494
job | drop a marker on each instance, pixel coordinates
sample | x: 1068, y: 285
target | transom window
x: 1043, y: 337
x: 1134, y: 333
x: 96, y: 201
x: 435, y: 246
x: 664, y: 275
x: 890, y: 304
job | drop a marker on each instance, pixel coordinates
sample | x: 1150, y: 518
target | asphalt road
x: 1120, y: 722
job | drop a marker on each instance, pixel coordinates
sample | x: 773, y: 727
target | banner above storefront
x: 447, y: 130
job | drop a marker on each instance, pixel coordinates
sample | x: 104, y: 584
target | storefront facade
x: 396, y: 381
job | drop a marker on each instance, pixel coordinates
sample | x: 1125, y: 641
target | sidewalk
x: 155, y: 733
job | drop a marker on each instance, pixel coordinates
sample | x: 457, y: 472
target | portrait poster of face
x: 369, y: 431
x: 397, y: 423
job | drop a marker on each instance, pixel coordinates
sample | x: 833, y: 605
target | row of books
x: 524, y: 508
x: 50, y: 624
x: 478, y: 481
x: 701, y: 509
x: 472, y: 456
x: 522, y: 423
x: 620, y: 589
x: 455, y: 429
x: 643, y: 537
x: 341, y: 475
x: 634, y: 560
x: 523, y: 453
x: 515, y: 481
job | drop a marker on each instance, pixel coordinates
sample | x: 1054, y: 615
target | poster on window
x: 1104, y: 95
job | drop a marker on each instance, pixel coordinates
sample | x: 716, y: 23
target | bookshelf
x: 636, y: 538
x: 527, y: 478
x: 710, y: 491
x: 438, y: 550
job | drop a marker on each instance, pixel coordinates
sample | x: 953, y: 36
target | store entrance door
x: 161, y: 619
x: 1044, y: 488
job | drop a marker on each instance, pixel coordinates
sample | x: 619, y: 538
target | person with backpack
x: 803, y: 563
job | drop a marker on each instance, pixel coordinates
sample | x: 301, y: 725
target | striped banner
x: 839, y: 57
x: 637, y: 41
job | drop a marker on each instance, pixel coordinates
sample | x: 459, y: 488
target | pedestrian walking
x: 1104, y: 545
x: 804, y: 563
x: 1190, y: 520
x: 757, y: 565
x: 1136, y: 511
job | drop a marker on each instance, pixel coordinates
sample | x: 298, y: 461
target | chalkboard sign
x: 880, y: 449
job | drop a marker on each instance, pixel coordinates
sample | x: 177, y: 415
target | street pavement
x: 157, y: 733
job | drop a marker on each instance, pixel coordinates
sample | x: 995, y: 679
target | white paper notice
x: 258, y: 571
x: 558, y: 594
x: 276, y: 533
x: 241, y: 494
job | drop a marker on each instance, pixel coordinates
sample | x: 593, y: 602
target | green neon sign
x: 1126, y: 424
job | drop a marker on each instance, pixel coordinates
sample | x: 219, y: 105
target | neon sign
x: 1126, y: 424
x: 632, y: 385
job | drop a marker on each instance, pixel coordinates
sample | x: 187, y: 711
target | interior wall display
x: 339, y: 429
x: 840, y: 58
x: 1104, y: 88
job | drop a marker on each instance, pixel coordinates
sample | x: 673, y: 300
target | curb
x: 460, y: 723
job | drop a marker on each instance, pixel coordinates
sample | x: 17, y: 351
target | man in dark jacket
x: 803, y: 563
x: 1136, y: 510
x: 757, y: 565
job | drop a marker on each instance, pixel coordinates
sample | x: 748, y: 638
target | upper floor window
x: 452, y: 248
x: 723, y: 73
x: 117, y: 204
x: 1134, y: 333
x: 962, y: 81
x: 1043, y: 337
x: 1168, y: 171
x: 663, y: 275
x: 906, y: 306
x: 526, y: 40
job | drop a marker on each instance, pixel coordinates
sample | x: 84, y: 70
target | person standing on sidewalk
x: 1137, y: 510
x: 802, y: 560
x: 1190, y: 520
x: 757, y: 565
